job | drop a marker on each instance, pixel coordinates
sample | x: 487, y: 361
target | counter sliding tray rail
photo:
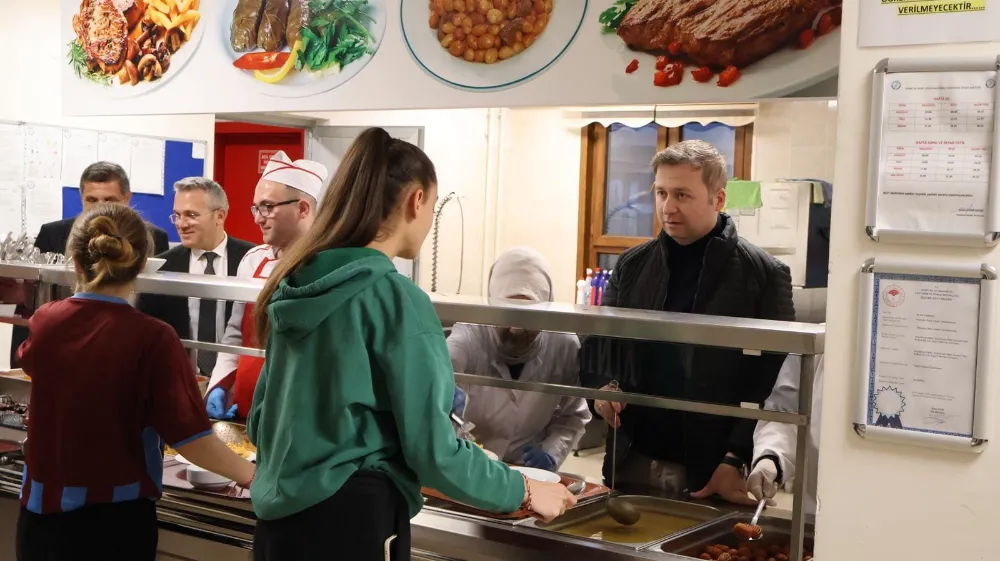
x: 749, y: 335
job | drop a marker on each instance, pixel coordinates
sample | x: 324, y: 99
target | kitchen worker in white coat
x: 522, y: 427
x: 284, y: 203
x: 774, y: 443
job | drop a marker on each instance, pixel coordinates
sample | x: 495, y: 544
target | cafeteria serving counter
x: 195, y: 526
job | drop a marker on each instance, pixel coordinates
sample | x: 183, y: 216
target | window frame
x: 591, y: 240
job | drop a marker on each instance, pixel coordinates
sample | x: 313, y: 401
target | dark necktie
x: 206, y: 322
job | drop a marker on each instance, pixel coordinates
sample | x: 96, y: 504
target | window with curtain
x: 617, y: 207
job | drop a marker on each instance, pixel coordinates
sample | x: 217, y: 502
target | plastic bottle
x: 581, y: 292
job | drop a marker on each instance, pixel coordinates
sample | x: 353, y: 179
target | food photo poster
x: 133, y: 57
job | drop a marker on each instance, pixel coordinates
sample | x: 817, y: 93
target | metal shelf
x: 752, y: 335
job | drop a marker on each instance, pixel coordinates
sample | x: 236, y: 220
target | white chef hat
x: 521, y: 272
x: 305, y: 175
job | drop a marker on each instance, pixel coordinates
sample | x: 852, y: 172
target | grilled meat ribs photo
x: 719, y: 33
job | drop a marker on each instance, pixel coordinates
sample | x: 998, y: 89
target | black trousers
x: 120, y: 531
x: 352, y: 525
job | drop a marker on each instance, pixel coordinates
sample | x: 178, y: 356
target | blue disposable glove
x: 459, y: 401
x: 217, y: 405
x: 535, y: 457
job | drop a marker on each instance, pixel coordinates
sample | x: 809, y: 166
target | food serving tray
x: 590, y: 493
x: 777, y: 532
x: 680, y: 509
x: 175, y: 476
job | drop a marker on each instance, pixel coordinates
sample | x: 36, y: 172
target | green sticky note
x: 743, y: 195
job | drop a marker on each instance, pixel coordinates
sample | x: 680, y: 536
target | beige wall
x: 885, y: 501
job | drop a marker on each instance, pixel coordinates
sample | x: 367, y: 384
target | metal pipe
x: 635, y: 399
x: 806, y: 378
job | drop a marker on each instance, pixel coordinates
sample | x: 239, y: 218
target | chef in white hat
x: 284, y: 204
x: 529, y: 428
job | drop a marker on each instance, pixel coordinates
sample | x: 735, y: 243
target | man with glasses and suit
x: 200, y: 210
x: 284, y: 206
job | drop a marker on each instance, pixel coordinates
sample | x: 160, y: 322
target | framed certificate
x: 924, y: 353
x: 932, y: 169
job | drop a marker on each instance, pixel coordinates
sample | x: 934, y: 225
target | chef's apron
x: 248, y: 368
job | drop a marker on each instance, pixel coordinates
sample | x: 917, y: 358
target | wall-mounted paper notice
x: 12, y: 150
x: 115, y: 148
x: 197, y: 150
x: 79, y: 151
x: 147, y: 166
x: 10, y: 207
x: 43, y: 153
x: 43, y: 203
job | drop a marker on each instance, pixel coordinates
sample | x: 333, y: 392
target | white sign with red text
x: 937, y: 146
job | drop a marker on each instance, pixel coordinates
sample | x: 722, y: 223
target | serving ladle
x: 751, y: 532
x: 619, y: 509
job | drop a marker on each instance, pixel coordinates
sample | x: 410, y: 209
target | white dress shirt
x: 197, y: 266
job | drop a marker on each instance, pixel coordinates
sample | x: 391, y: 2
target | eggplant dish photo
x: 275, y: 40
x: 715, y: 39
x: 488, y: 31
x: 130, y: 42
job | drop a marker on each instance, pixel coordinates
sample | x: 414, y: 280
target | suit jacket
x: 52, y: 238
x: 174, y: 309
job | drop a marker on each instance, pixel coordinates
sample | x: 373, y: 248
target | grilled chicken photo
x: 130, y: 40
x: 103, y: 33
x: 719, y: 33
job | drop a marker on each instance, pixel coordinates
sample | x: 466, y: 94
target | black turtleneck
x: 659, y: 433
x: 684, y: 265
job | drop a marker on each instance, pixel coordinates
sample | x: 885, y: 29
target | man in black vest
x: 100, y: 182
x: 698, y: 264
x: 200, y: 210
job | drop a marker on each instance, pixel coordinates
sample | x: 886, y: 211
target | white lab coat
x: 778, y: 439
x: 508, y: 420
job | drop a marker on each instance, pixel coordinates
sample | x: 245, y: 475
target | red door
x: 241, y: 152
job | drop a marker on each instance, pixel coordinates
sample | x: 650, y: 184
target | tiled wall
x: 794, y: 140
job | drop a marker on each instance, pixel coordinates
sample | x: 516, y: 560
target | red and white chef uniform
x: 239, y: 373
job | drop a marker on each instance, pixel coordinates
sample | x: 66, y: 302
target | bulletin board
x: 933, y: 171
x: 40, y: 183
x: 925, y: 353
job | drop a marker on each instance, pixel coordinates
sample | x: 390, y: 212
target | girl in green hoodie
x: 351, y: 412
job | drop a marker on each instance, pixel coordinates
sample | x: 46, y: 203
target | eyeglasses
x: 189, y: 216
x: 265, y: 210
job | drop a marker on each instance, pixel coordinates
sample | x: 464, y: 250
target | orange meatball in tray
x: 489, y: 44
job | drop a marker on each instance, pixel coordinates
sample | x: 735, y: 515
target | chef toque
x: 521, y: 272
x: 305, y: 175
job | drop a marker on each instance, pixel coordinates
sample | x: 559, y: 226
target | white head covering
x: 521, y: 272
x: 305, y: 175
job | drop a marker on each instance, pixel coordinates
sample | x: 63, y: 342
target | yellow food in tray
x: 244, y: 449
x: 168, y: 451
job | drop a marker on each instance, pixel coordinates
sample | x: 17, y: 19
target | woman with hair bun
x: 109, y: 386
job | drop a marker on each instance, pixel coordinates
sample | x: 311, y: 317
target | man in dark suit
x: 200, y: 210
x: 100, y: 182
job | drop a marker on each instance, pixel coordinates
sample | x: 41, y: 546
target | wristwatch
x: 736, y: 463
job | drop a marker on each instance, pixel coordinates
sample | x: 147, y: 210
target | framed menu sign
x: 932, y: 172
x: 924, y: 353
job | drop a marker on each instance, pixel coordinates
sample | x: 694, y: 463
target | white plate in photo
x: 303, y: 84
x: 784, y: 72
x: 114, y: 90
x: 564, y: 24
x: 538, y: 474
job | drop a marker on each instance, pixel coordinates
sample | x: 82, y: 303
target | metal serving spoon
x: 751, y: 532
x: 619, y: 509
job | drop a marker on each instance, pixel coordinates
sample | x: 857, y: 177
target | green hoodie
x: 358, y: 377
